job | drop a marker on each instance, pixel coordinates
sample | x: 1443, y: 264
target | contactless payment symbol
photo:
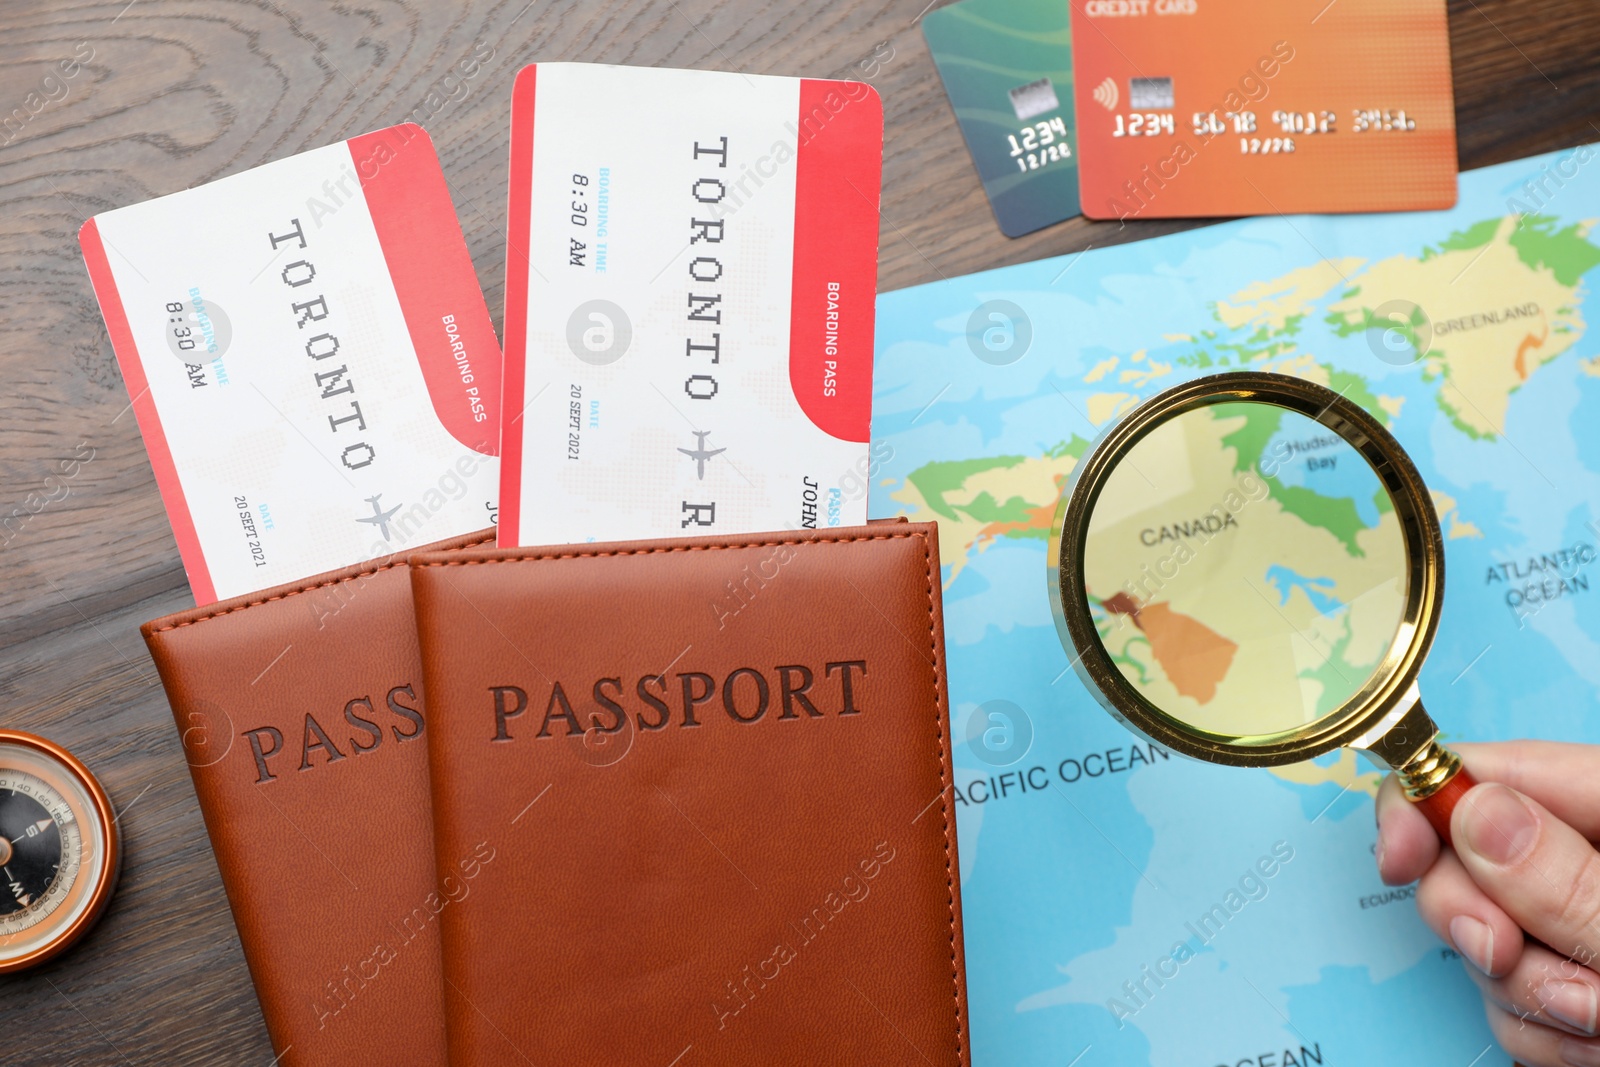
x: 1105, y: 94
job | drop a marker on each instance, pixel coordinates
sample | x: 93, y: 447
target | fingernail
x: 1574, y: 1003
x: 1474, y: 939
x: 1577, y: 1053
x: 1499, y: 825
x: 1380, y: 850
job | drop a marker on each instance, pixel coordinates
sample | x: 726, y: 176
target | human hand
x: 1523, y: 861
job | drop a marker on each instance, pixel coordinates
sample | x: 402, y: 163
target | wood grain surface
x: 179, y: 92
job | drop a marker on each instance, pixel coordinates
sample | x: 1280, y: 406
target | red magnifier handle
x: 1438, y: 805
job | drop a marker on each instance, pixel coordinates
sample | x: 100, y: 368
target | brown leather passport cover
x: 300, y: 711
x: 707, y: 785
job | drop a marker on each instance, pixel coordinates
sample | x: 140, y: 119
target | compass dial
x: 58, y: 850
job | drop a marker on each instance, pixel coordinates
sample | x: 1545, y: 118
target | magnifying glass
x: 1248, y: 570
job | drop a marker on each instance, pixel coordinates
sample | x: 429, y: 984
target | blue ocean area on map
x: 1137, y: 908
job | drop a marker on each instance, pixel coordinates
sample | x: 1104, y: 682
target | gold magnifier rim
x: 1390, y: 683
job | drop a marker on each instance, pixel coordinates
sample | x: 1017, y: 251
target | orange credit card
x: 1236, y: 107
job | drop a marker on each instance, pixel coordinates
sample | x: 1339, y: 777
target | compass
x: 59, y: 850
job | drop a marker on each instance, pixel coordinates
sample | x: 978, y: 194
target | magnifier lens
x: 1245, y: 570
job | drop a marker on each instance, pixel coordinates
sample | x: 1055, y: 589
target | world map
x: 1125, y: 906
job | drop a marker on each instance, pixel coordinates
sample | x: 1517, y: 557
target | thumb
x: 1543, y: 873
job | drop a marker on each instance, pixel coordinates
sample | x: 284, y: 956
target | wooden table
x: 177, y: 94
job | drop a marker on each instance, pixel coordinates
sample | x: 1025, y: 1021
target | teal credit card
x: 1007, y: 68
